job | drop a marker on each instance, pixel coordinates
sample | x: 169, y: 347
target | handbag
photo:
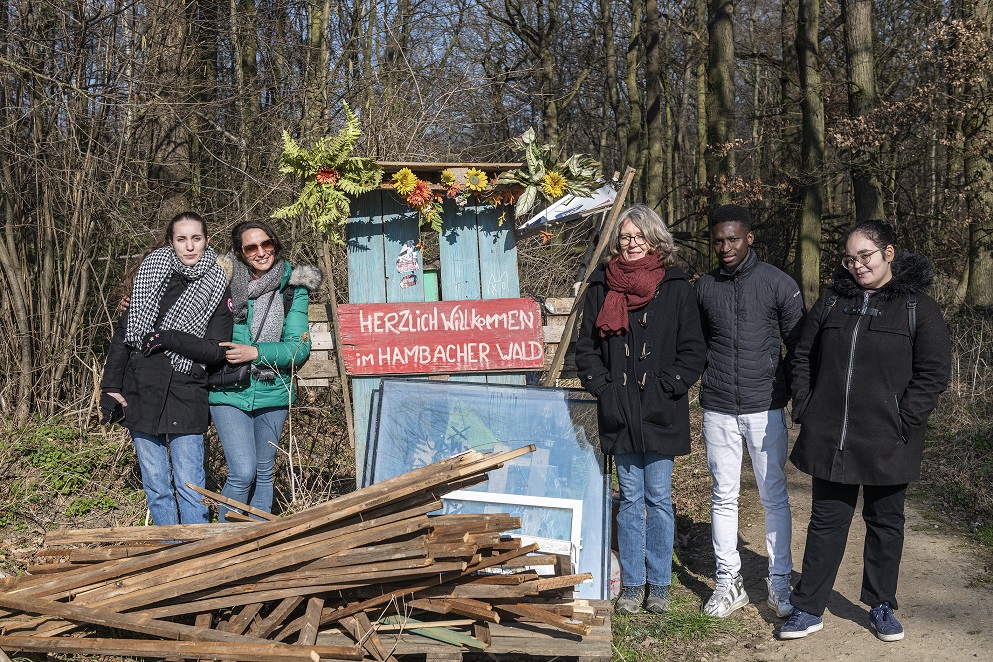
x: 231, y: 375
x: 236, y: 374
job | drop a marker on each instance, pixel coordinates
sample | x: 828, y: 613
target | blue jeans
x: 245, y: 437
x: 645, y: 521
x: 159, y: 475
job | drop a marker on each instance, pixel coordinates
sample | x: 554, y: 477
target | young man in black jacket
x: 749, y: 309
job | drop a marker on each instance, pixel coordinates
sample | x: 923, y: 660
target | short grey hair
x: 657, y: 236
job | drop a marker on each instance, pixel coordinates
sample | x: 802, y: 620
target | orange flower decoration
x: 421, y: 194
x: 327, y: 177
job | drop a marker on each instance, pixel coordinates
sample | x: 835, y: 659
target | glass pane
x: 422, y: 421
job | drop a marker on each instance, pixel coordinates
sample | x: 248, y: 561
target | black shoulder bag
x: 237, y: 374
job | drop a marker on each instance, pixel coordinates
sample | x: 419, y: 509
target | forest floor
x: 945, y: 592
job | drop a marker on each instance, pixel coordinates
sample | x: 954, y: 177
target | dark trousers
x: 832, y: 508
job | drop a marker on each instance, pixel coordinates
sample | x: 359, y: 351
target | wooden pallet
x: 521, y: 641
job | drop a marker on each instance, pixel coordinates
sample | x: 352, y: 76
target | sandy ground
x: 947, y: 615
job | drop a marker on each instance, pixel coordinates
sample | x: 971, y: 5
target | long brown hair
x: 132, y: 269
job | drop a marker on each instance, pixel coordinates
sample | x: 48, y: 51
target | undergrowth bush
x: 958, y: 461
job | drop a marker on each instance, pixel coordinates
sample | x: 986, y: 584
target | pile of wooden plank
x: 368, y: 561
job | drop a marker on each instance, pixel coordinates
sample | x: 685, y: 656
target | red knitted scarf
x: 630, y: 286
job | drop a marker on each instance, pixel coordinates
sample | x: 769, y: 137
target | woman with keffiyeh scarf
x: 639, y: 350
x: 155, y: 378
x: 269, y: 298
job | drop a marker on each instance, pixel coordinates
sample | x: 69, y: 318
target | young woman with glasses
x: 269, y: 297
x: 872, y: 360
x: 640, y: 349
x: 155, y: 378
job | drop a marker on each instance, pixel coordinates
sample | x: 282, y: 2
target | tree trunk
x: 808, y: 248
x: 654, y: 174
x: 612, y: 113
x: 634, y: 128
x: 169, y: 170
x: 315, y: 110
x: 979, y: 170
x: 720, y: 98
x: 862, y: 99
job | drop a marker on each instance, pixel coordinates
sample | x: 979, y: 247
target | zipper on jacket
x: 851, y: 366
x: 734, y: 330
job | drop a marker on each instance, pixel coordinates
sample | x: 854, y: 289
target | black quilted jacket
x: 747, y: 316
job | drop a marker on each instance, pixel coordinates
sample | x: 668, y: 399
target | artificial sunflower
x: 475, y: 179
x: 447, y: 178
x: 553, y: 184
x: 404, y: 181
x: 420, y: 194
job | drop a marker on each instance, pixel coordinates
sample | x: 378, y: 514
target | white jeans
x: 766, y: 436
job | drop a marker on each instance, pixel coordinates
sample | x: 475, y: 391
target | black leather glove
x: 154, y: 341
x: 111, y: 410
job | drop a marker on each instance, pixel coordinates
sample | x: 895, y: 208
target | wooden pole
x: 332, y: 308
x: 558, y: 360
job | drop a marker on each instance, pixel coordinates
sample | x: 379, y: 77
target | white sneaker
x: 728, y: 596
x: 779, y: 594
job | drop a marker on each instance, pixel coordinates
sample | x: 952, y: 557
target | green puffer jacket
x: 284, y: 356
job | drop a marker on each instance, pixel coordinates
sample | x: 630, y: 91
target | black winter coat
x: 641, y: 377
x: 862, y: 389
x: 160, y: 399
x: 747, y: 316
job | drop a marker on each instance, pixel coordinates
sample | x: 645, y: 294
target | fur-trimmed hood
x: 912, y: 274
x: 306, y: 276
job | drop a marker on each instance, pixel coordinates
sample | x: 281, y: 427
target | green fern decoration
x: 331, y: 176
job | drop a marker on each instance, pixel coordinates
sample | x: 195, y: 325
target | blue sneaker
x: 800, y: 624
x: 885, y: 624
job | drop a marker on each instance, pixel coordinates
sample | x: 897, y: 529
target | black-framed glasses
x: 862, y: 257
x: 251, y: 249
x: 625, y: 239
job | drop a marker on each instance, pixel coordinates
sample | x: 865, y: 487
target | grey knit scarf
x: 268, y: 313
x: 191, y: 312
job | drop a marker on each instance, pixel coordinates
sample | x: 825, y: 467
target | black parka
x: 862, y: 388
x: 747, y: 316
x: 641, y: 377
x: 160, y: 399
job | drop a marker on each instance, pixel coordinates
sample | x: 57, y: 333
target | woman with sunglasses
x: 155, y: 378
x: 871, y: 362
x: 269, y: 297
x: 640, y: 349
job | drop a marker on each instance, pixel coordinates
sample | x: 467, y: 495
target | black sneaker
x: 885, y: 624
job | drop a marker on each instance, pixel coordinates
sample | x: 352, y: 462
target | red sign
x: 441, y: 336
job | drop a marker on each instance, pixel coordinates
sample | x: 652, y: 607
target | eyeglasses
x: 625, y: 239
x: 863, y: 257
x: 251, y: 249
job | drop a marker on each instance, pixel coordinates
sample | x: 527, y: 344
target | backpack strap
x: 826, y: 310
x: 288, y: 294
x: 912, y: 315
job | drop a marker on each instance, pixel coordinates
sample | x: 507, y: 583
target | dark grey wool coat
x: 641, y: 377
x: 162, y: 400
x: 862, y: 389
x: 747, y: 316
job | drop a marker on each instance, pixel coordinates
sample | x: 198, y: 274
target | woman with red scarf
x: 640, y: 349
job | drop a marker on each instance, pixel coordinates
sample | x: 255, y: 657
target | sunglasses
x: 251, y: 249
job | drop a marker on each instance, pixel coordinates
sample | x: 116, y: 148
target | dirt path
x: 947, y: 615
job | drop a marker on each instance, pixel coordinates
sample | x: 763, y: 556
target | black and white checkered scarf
x: 191, y: 312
